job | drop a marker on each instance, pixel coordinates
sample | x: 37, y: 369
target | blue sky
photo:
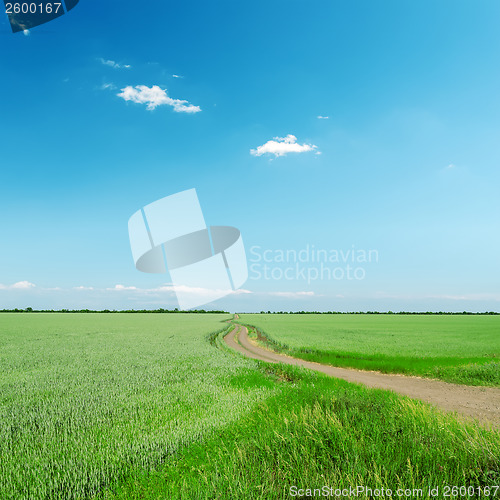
x: 405, y: 161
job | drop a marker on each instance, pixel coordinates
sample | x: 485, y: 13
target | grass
x: 460, y: 349
x: 321, y: 432
x: 154, y: 406
x: 86, y: 398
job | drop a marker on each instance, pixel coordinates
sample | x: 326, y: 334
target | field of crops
x: 84, y: 398
x: 462, y: 349
x: 145, y: 406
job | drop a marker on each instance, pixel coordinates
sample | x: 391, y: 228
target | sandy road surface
x: 482, y: 403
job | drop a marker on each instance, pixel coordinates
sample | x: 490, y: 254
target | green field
x: 85, y: 398
x: 124, y: 406
x: 462, y: 349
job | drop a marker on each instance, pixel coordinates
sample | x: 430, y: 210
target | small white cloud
x: 167, y: 288
x: 122, y: 287
x: 114, y: 64
x: 26, y: 32
x: 319, y: 117
x: 280, y: 146
x: 177, y: 76
x: 154, y: 97
x: 22, y: 285
x: 83, y: 288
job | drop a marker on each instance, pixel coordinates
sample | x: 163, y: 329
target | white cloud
x: 168, y: 288
x: 20, y: 285
x: 280, y: 146
x: 154, y: 97
x: 23, y: 285
x: 83, y: 288
x: 122, y: 287
x: 106, y: 86
x: 113, y: 64
x: 177, y: 76
x: 323, y: 117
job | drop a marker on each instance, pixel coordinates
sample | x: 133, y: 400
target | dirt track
x: 482, y: 403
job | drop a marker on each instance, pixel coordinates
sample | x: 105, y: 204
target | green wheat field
x: 154, y: 406
x: 463, y: 349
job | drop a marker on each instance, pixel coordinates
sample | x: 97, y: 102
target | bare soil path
x: 482, y: 403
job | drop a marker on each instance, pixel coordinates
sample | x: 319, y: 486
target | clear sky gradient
x: 405, y: 158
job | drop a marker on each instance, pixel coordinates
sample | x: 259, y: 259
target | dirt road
x: 482, y: 403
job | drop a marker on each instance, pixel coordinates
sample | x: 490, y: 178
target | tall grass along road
x: 482, y: 403
x: 463, y: 349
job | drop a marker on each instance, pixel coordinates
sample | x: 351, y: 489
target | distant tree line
x: 153, y: 311
x: 388, y: 312
x: 203, y: 311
